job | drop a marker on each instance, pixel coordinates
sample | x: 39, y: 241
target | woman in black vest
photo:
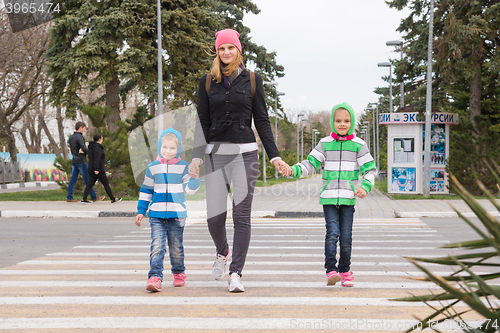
x: 228, y: 98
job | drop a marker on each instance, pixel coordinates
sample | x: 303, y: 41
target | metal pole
x: 368, y: 134
x: 302, y: 146
x: 428, y: 107
x: 160, y: 70
x: 264, y: 175
x: 373, y: 129
x: 378, y: 142
x: 298, y: 139
x: 402, y: 85
x: 263, y: 163
x: 390, y: 89
x: 276, y: 129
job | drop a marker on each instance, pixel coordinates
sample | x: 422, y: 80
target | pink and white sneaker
x: 153, y: 284
x: 179, y: 280
x: 346, y: 278
x: 332, y: 278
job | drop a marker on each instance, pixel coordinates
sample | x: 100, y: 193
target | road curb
x: 97, y: 214
x: 299, y: 214
x: 29, y: 184
x: 203, y: 214
x: 438, y: 214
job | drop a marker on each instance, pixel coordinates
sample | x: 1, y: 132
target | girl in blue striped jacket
x: 165, y: 183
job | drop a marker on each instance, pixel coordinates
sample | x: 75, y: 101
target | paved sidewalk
x: 292, y: 199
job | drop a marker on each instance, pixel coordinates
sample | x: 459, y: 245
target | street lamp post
x: 314, y: 132
x: 363, y: 130
x: 368, y: 130
x: 298, y: 123
x: 388, y: 64
x: 402, y: 89
x: 378, y: 134
x: 160, y: 71
x: 264, y: 149
x: 428, y: 106
x: 276, y: 125
x: 302, y: 148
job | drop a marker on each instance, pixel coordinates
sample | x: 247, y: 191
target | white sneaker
x: 220, y: 265
x: 234, y: 284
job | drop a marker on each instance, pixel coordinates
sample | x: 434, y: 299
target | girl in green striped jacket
x: 344, y: 157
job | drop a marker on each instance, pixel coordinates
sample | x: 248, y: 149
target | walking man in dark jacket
x: 96, y: 169
x: 79, y: 151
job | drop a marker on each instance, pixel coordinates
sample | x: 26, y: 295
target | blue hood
x: 162, y: 134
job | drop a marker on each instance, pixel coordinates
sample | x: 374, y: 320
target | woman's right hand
x: 194, y: 168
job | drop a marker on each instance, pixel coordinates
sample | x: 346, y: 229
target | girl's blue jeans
x: 163, y: 230
x: 338, y: 228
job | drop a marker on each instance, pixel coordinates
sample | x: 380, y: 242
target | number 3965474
x: 25, y: 8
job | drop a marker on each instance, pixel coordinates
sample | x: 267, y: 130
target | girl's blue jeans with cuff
x: 163, y: 230
x: 338, y: 228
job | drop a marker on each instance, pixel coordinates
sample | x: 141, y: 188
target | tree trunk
x: 113, y: 101
x: 60, y: 128
x: 25, y: 139
x: 53, y: 142
x: 152, y: 107
x: 475, y: 93
x: 11, y: 143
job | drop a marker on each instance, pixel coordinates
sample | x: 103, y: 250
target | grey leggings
x: 242, y: 171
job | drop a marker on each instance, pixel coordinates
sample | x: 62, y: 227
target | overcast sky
x: 329, y: 48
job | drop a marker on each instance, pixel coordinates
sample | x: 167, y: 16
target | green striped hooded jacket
x: 343, y: 159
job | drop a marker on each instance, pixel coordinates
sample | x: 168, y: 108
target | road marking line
x: 433, y: 241
x: 213, y: 284
x: 210, y: 263
x: 207, y: 272
x: 222, y: 300
x: 417, y: 248
x: 250, y: 255
x: 183, y: 323
x: 361, y: 234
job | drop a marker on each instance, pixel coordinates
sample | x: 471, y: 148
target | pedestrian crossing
x: 100, y: 287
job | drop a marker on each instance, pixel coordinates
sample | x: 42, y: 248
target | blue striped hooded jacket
x: 165, y: 184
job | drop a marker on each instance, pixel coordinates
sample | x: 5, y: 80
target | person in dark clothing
x: 96, y: 169
x: 79, y: 151
x: 229, y: 97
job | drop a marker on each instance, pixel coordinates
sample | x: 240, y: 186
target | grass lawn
x: 381, y: 185
x: 273, y: 181
x: 60, y: 195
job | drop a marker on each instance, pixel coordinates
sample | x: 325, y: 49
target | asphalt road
x: 27, y: 238
x: 67, y: 275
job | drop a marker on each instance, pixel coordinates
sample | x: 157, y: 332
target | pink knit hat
x: 227, y: 36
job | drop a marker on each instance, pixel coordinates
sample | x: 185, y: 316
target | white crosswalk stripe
x: 284, y: 280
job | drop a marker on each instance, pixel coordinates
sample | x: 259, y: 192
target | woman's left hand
x: 283, y: 167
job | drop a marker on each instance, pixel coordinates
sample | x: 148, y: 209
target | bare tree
x: 22, y: 65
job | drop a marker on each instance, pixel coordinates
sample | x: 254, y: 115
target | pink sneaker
x: 332, y: 278
x: 179, y: 280
x: 347, y: 278
x: 153, y: 284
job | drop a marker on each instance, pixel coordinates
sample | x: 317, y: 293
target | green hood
x: 351, y: 112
